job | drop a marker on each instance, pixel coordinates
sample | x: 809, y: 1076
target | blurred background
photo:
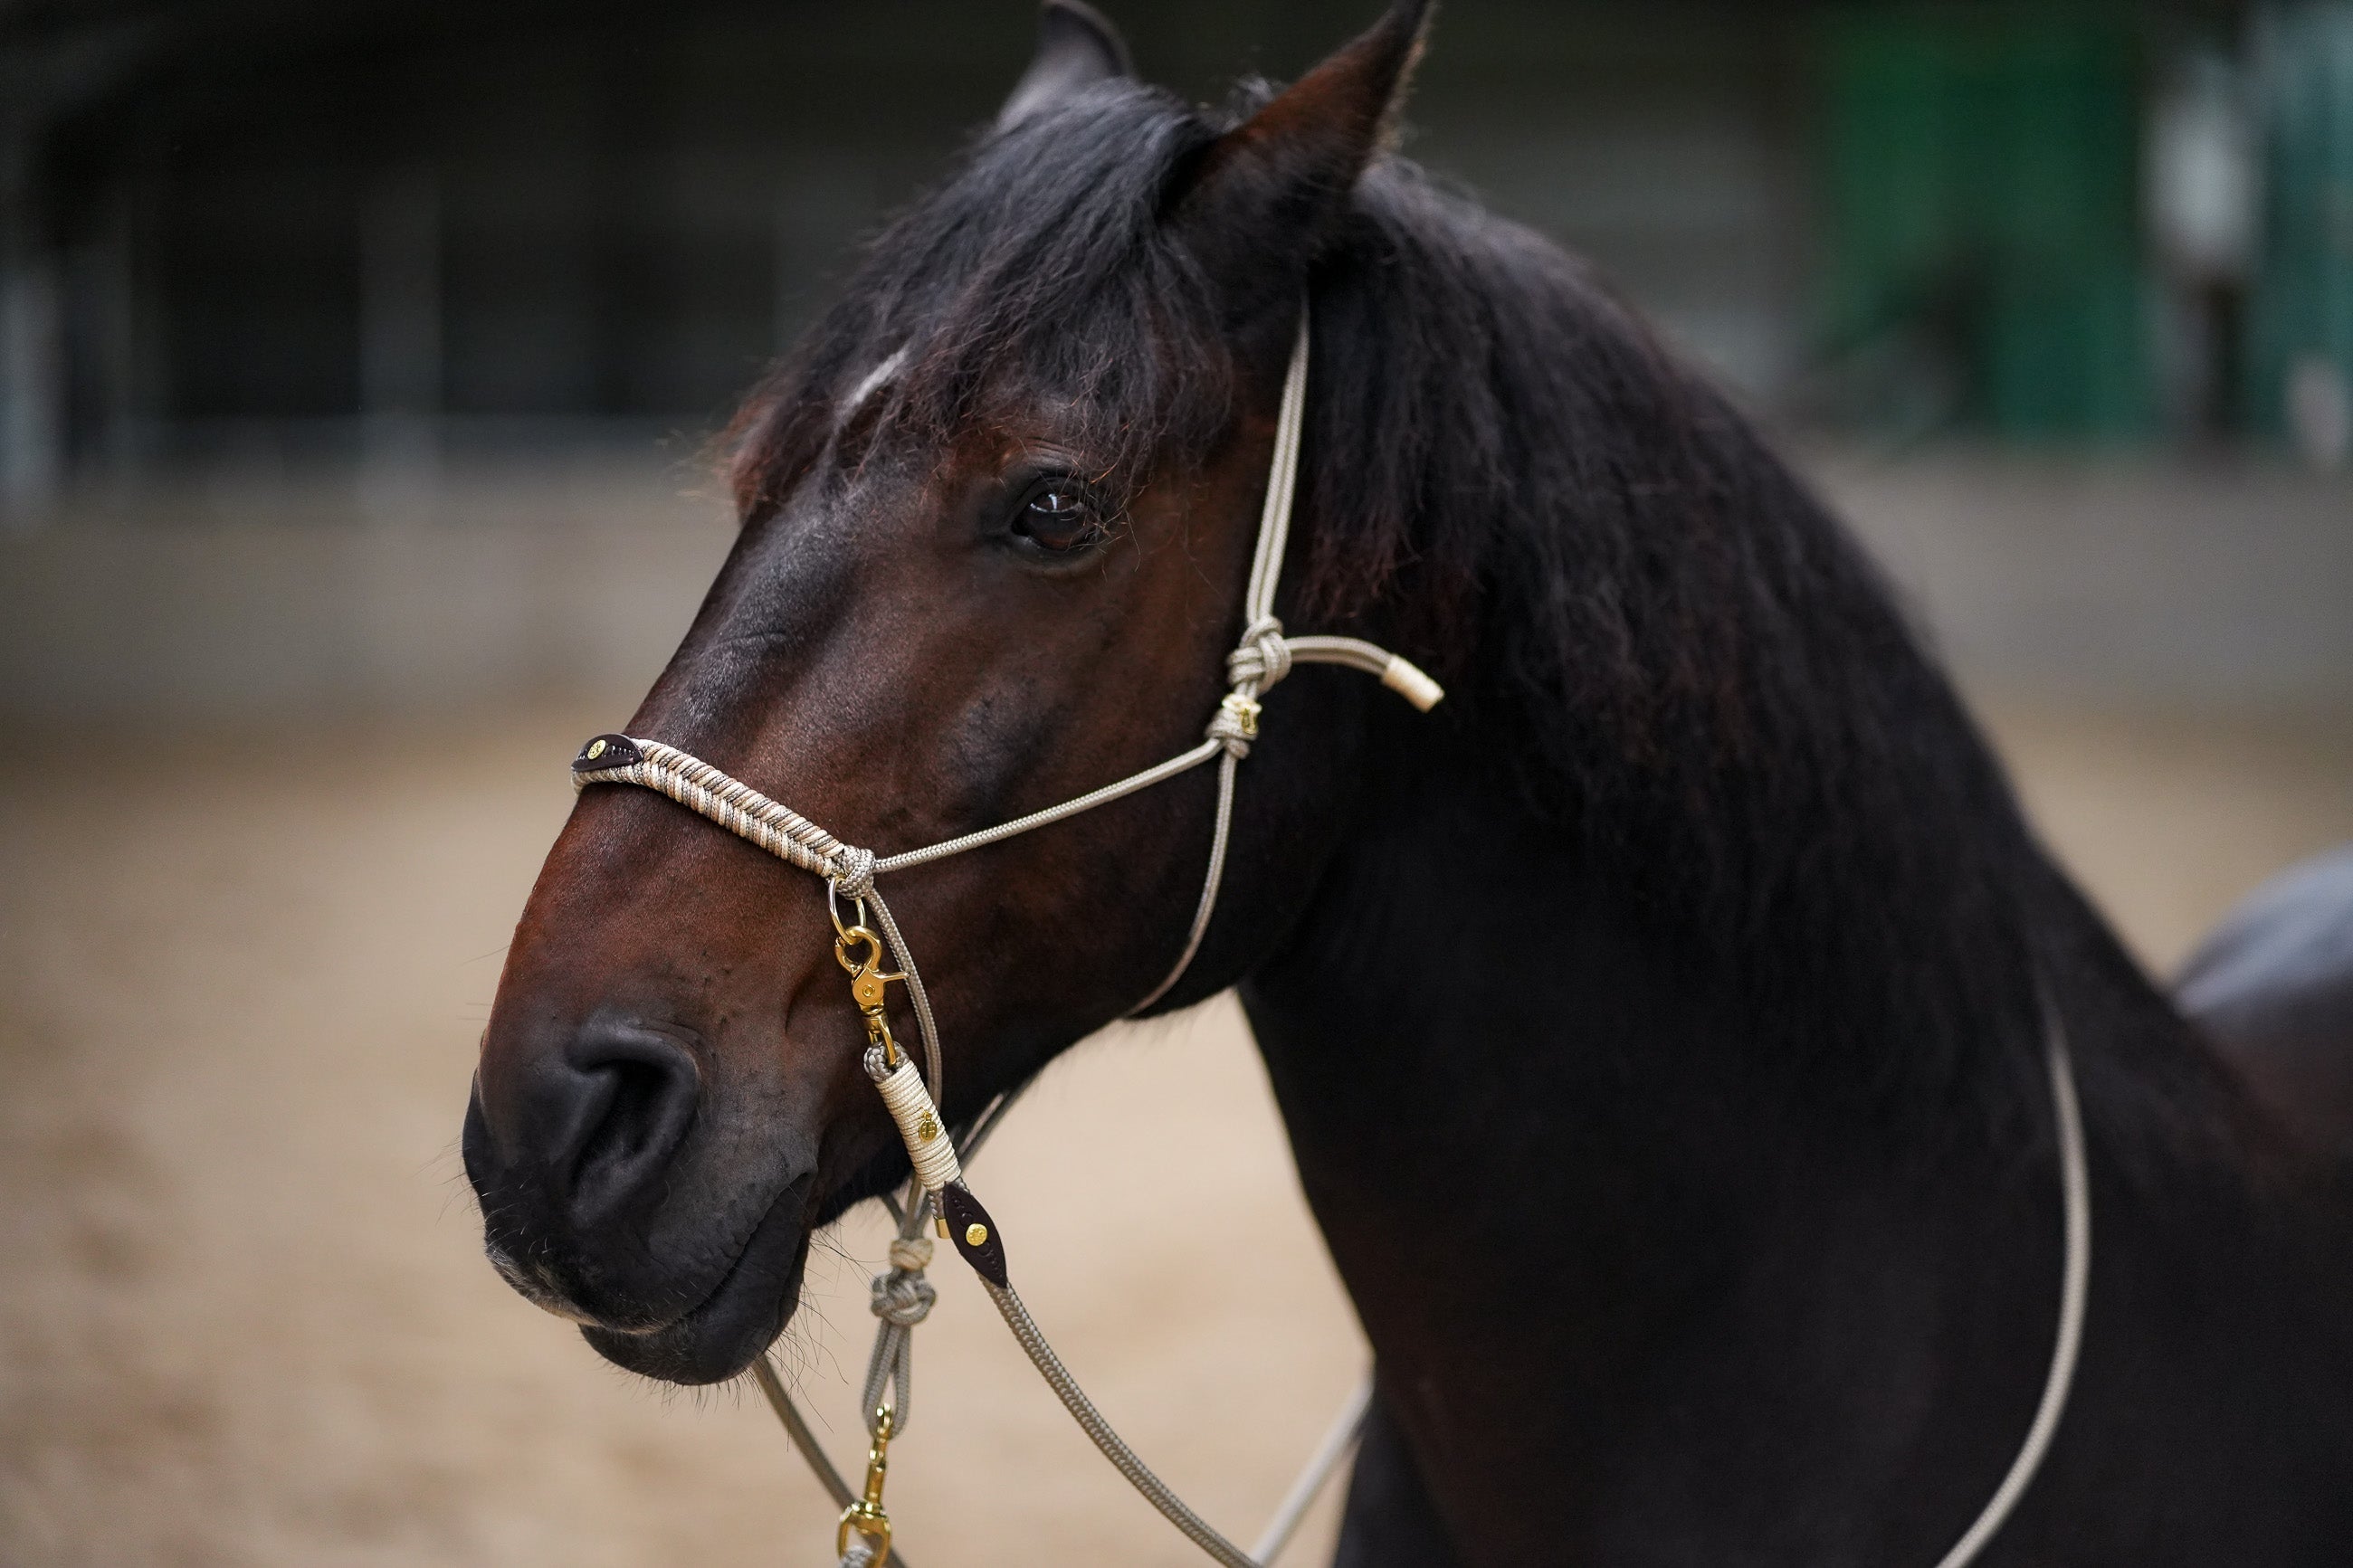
x: 358, y: 364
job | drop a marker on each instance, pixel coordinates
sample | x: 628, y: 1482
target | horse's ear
x: 1275, y: 185
x: 1076, y: 48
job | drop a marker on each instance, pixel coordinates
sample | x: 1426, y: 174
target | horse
x: 1660, y: 1025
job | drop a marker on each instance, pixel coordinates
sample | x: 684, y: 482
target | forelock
x: 1042, y: 269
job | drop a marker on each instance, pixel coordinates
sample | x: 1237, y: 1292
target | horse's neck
x: 1508, y: 1103
x: 1462, y: 955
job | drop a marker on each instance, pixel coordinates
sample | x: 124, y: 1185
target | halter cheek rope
x: 901, y: 1296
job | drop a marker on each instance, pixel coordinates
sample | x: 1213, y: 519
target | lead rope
x: 901, y: 1296
x: 2074, y: 1294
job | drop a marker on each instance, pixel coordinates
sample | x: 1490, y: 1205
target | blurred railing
x: 300, y: 590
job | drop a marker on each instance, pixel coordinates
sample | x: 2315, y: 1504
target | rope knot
x: 902, y: 1299
x: 912, y: 1253
x: 853, y: 871
x: 1263, y: 657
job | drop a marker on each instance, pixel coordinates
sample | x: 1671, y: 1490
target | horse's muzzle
x: 601, y: 1205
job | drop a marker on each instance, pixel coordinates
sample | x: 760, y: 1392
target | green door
x: 2304, y: 289
x: 1980, y: 174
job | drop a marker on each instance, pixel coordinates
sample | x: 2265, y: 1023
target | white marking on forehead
x: 873, y: 381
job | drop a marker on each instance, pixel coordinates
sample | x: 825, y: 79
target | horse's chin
x: 738, y: 1320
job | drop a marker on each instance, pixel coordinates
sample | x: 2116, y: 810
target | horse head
x: 998, y: 512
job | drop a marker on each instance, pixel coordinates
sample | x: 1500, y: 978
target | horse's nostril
x: 637, y: 1096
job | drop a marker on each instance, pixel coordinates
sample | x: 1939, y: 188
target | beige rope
x: 731, y: 803
x: 1032, y: 1341
x: 1182, y: 762
x: 929, y: 1147
x: 2074, y: 1294
x: 1340, y: 1440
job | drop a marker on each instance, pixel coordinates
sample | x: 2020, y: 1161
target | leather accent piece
x: 964, y: 1211
x: 612, y: 751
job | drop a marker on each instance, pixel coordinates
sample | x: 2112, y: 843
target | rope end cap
x: 1406, y: 678
x: 607, y: 753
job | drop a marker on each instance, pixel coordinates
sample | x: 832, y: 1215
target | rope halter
x: 1259, y: 661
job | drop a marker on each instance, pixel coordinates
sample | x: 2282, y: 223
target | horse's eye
x: 1057, y: 517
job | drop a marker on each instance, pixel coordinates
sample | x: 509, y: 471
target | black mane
x: 1717, y: 702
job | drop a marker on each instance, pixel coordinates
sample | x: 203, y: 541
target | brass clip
x: 866, y: 987
x: 865, y: 1517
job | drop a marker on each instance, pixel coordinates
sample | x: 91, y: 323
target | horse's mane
x: 1714, y: 695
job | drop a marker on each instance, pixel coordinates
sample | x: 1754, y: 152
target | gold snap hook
x: 866, y: 976
x: 867, y: 983
x: 866, y: 1516
x: 850, y: 937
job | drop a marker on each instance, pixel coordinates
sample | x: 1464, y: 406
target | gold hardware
x: 940, y: 1224
x: 595, y: 750
x: 866, y: 985
x: 872, y: 963
x: 976, y: 1235
x: 1245, y: 713
x: 865, y: 1517
x: 927, y: 1129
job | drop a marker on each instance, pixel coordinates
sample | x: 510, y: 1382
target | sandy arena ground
x: 243, y: 1317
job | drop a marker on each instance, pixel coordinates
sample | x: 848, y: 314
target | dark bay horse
x: 1658, y: 1024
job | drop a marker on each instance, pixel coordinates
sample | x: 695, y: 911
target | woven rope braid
x: 729, y: 802
x: 929, y: 1148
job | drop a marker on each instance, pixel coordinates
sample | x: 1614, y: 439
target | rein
x: 903, y: 1297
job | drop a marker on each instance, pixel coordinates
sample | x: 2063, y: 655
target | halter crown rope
x: 903, y: 1297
